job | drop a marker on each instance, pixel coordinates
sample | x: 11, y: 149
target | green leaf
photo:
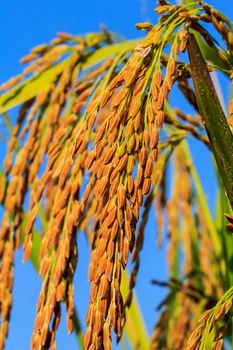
x: 214, y: 120
x: 202, y: 199
x: 135, y: 325
x: 223, y: 207
x: 210, y: 55
x: 33, y: 85
x: 30, y: 87
x: 108, y: 51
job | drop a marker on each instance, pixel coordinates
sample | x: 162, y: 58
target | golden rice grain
x: 151, y: 110
x: 129, y: 129
x: 103, y: 287
x: 106, y: 97
x: 130, y: 184
x: 204, y: 316
x: 101, y: 247
x: 165, y: 88
x: 122, y: 163
x: 111, y: 216
x: 107, y: 337
x: 99, y: 134
x: 125, y: 252
x: 139, y: 196
x: 40, y: 318
x: 11, y: 82
x: 100, y: 149
x: 131, y: 144
x: 121, y: 150
x: 159, y: 120
x: 129, y: 213
x: 192, y: 345
x: 163, y: 9
x: 111, y: 233
x: 160, y: 100
x: 44, y: 265
x: 130, y: 164
x: 56, y: 321
x: 113, y: 315
x: 139, y: 178
x: 28, y: 58
x: 146, y: 138
x: 128, y: 230
x: 93, y: 292
x: 121, y: 196
x: 44, y: 333
x: 117, y: 98
x: 84, y: 144
x: 183, y: 39
x: 157, y: 78
x: 59, y: 217
x: 112, y: 136
x: 89, y: 316
x: 87, y: 338
x: 111, y: 249
x: 220, y: 312
x: 148, y: 168
x: 101, y: 186
x: 171, y: 66
x: 175, y: 49
x: 108, y: 271
x: 136, y: 106
x: 27, y: 250
x: 139, y: 84
x: 92, y: 119
x: 154, y: 139
x: 130, y: 76
x: 114, y: 186
x: 137, y: 121
x: 154, y: 89
x: 146, y: 186
x: 137, y: 145
x: 143, y: 26
x: 99, y: 322
x: 219, y: 345
x: 60, y: 291
x: 102, y: 264
x: 109, y: 154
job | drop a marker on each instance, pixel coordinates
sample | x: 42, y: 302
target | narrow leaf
x: 30, y: 87
x: 135, y: 325
x: 33, y: 85
x: 214, y: 120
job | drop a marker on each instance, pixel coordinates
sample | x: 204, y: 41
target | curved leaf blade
x: 33, y: 85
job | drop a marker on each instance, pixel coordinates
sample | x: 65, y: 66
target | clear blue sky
x: 23, y: 25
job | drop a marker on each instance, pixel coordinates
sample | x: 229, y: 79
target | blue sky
x: 23, y: 25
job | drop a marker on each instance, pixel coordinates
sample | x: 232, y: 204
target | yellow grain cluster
x: 87, y: 152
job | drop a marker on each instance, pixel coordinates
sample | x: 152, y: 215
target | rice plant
x: 90, y: 150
